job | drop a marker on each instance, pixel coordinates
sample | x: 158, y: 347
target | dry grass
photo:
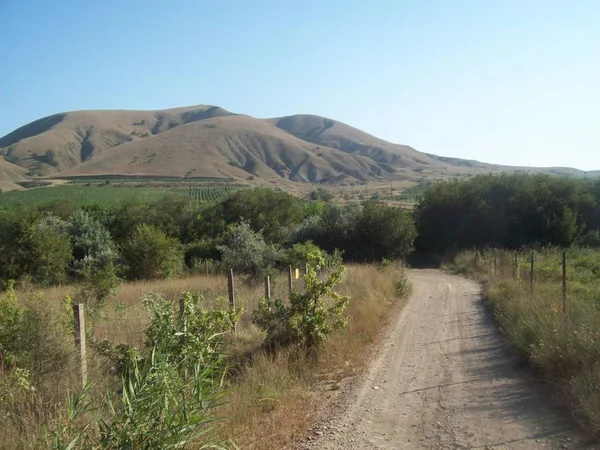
x: 563, y: 348
x: 272, y: 398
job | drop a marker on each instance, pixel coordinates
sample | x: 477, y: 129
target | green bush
x: 247, y: 252
x: 310, y: 316
x: 150, y: 253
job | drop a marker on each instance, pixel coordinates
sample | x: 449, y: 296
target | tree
x: 150, y: 253
x: 246, y: 251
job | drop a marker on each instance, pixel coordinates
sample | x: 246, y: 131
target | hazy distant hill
x: 212, y: 142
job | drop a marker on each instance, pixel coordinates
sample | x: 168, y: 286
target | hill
x: 209, y: 141
x: 10, y: 174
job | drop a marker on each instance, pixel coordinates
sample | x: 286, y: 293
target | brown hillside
x: 10, y: 174
x: 231, y: 146
x: 210, y: 141
x: 75, y: 137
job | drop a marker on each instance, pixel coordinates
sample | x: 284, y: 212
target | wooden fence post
x: 79, y: 321
x: 290, y: 280
x: 268, y: 287
x: 305, y: 268
x: 182, y: 315
x: 231, y: 289
x: 532, y: 274
x: 564, y: 282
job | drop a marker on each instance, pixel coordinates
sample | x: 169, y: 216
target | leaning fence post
x: 532, y: 274
x: 290, y: 280
x: 79, y: 322
x: 231, y: 290
x: 564, y: 282
x: 268, y: 287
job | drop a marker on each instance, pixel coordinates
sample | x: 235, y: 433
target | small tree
x: 247, y: 252
x: 94, y: 258
x: 150, y: 253
x: 310, y: 316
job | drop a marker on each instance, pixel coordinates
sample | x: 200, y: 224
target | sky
x: 512, y: 82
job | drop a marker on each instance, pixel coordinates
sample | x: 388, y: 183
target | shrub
x: 150, y: 253
x: 247, y: 252
x: 168, y: 395
x: 46, y: 254
x: 310, y: 316
x: 94, y: 255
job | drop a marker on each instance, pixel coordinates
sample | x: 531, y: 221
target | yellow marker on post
x: 297, y: 273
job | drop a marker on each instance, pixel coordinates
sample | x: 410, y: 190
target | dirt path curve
x: 444, y: 380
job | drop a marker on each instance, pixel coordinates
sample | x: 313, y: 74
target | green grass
x: 564, y: 348
x: 80, y: 195
x: 109, y: 195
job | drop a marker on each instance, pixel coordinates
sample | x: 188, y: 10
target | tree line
x: 254, y: 230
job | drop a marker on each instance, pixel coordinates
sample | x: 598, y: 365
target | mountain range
x: 209, y: 141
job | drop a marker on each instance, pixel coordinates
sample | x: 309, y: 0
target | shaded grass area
x: 272, y: 397
x: 564, y: 348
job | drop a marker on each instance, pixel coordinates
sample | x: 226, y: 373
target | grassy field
x: 107, y: 194
x: 272, y: 398
x: 563, y: 346
x: 205, y: 194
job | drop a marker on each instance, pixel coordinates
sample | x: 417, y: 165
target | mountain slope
x: 208, y: 141
x: 65, y: 140
x: 330, y: 133
x: 10, y: 174
x: 230, y: 146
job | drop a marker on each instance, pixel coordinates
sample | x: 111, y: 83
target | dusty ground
x: 444, y: 380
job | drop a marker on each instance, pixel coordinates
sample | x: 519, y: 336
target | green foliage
x: 168, y: 395
x: 383, y: 232
x: 79, y: 195
x: 506, y: 211
x: 150, y: 253
x: 246, y: 251
x: 207, y: 193
x: 310, y: 316
x: 94, y: 256
x: 299, y: 254
x: 11, y: 325
x: 321, y: 194
x: 264, y: 209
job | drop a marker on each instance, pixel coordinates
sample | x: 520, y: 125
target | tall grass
x: 564, y: 348
x: 271, y: 396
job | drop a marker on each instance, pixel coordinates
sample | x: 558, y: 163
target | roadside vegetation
x: 218, y: 376
x: 249, y: 374
x: 520, y: 215
x: 559, y: 339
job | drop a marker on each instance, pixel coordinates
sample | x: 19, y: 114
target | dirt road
x: 444, y: 380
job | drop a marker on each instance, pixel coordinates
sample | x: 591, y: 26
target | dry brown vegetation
x: 272, y: 398
x: 208, y: 141
x: 563, y: 346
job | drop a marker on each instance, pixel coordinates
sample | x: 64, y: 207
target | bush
x: 170, y: 389
x: 310, y: 316
x: 46, y: 254
x: 150, y: 253
x: 94, y: 255
x: 247, y: 252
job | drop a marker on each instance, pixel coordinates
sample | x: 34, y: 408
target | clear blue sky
x: 512, y: 82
